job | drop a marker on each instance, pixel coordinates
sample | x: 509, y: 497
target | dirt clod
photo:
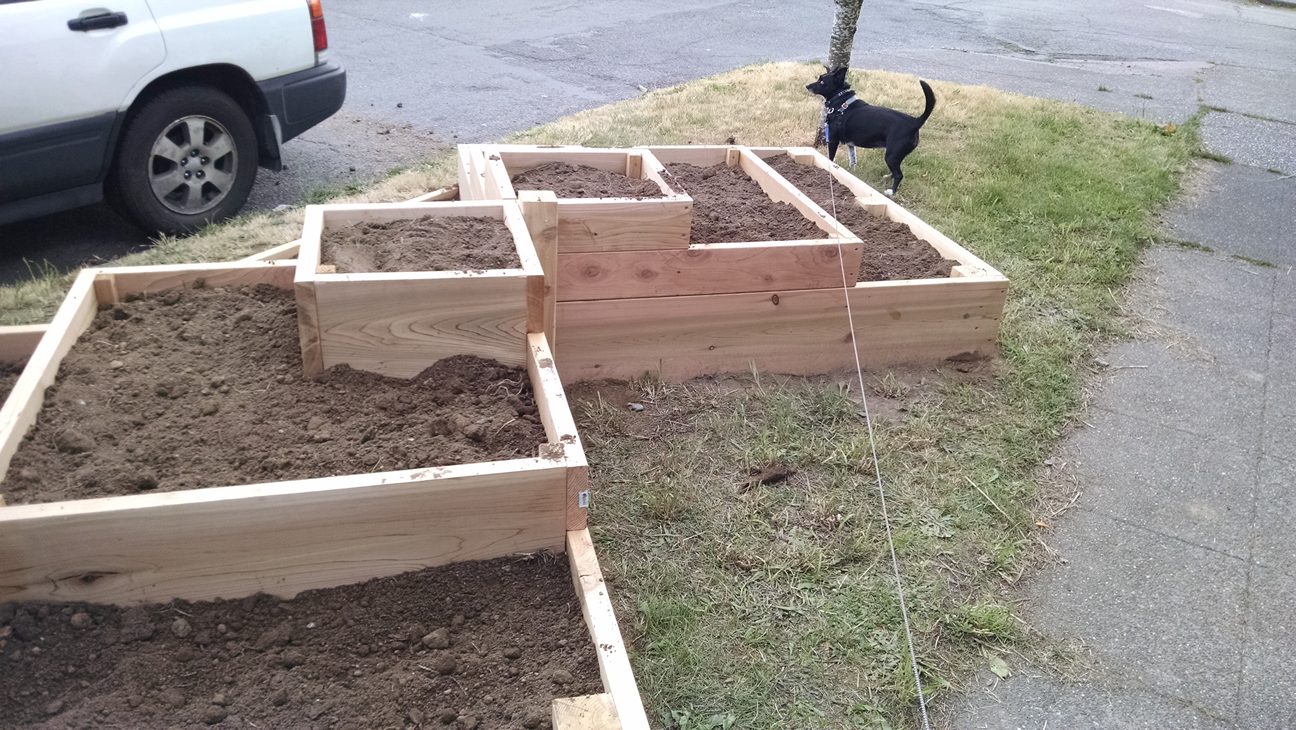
x: 729, y: 207
x: 439, y: 639
x: 180, y: 628
x: 424, y: 244
x: 583, y: 181
x: 891, y: 251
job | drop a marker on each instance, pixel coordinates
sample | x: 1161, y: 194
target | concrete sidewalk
x: 1177, y: 566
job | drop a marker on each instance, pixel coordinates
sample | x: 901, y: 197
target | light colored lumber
x: 634, y: 167
x: 338, y: 214
x: 437, y: 195
x: 702, y: 156
x: 470, y: 184
x: 400, y: 327
x: 279, y: 538
x: 540, y: 212
x: 622, y: 224
x: 797, y: 332
x: 18, y: 412
x: 309, y: 336
x: 587, y: 712
x: 18, y: 342
x: 280, y: 252
x: 518, y: 159
x: 560, y: 428
x: 497, y: 183
x: 326, y: 269
x: 146, y: 280
x: 614, y: 665
x: 782, y: 191
x: 706, y: 269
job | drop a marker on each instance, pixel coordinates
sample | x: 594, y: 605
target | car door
x: 68, y: 66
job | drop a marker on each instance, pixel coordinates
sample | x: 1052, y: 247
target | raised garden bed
x: 17, y: 343
x: 791, y: 324
x: 282, y: 538
x: 397, y: 322
x: 587, y: 223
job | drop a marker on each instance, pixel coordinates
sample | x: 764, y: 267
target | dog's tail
x: 931, y: 102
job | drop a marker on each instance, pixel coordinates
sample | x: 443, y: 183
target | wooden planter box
x: 796, y: 326
x: 286, y: 537
x: 397, y: 324
x: 587, y: 224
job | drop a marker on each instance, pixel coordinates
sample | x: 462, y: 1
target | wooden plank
x: 587, y: 712
x: 278, y: 253
x: 470, y: 187
x: 540, y: 211
x: 497, y: 183
x: 349, y: 213
x: 614, y: 665
x: 782, y: 191
x: 560, y: 427
x: 279, y: 538
x: 621, y: 224
x: 798, y: 332
x: 309, y: 335
x: 144, y: 280
x: 634, y: 167
x: 519, y: 159
x: 105, y: 288
x: 19, y: 410
x: 399, y: 327
x: 706, y: 269
x: 437, y: 195
x: 700, y: 155
x: 18, y: 342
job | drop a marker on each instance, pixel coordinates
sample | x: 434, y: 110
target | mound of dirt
x: 455, y: 243
x: 583, y: 181
x: 730, y: 207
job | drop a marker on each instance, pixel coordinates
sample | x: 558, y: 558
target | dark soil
x: 730, y: 207
x: 583, y: 181
x: 891, y: 251
x: 365, y: 656
x: 456, y: 243
x: 203, y: 388
x: 8, y: 376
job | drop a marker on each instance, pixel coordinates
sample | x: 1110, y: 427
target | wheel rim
x: 192, y: 165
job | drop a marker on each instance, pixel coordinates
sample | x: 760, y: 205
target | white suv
x: 168, y: 106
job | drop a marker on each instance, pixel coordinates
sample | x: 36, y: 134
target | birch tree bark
x: 843, y: 33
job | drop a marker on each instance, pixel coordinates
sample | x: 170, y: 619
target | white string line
x: 877, y: 469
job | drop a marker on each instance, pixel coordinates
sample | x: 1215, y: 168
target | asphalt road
x: 424, y: 76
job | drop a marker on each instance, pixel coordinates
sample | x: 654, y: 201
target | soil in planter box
x: 469, y: 645
x: 583, y: 181
x: 455, y: 243
x: 202, y: 388
x: 8, y: 377
x: 891, y: 251
x: 730, y: 207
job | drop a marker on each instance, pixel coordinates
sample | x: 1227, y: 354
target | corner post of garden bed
x: 308, y: 327
x: 560, y: 428
x: 540, y: 211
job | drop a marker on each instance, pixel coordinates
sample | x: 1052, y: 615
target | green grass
x: 773, y: 606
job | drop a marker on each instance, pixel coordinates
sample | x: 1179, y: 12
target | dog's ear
x: 840, y: 73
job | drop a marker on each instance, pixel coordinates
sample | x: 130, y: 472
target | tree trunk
x: 843, y: 33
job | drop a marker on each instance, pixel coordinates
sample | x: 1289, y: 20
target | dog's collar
x: 837, y: 108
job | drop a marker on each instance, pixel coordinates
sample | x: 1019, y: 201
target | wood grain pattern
x: 279, y: 538
x: 700, y: 155
x: 798, y: 332
x: 540, y: 212
x: 280, y: 252
x: 143, y: 280
x: 18, y: 342
x: 399, y: 327
x: 622, y: 224
x: 19, y: 410
x: 706, y: 269
x: 437, y: 195
x: 614, y: 665
x: 560, y: 427
x: 587, y: 712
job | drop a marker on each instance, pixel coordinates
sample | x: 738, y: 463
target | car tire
x: 187, y: 158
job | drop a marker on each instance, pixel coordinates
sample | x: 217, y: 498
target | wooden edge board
x: 596, y: 605
x: 540, y: 212
x: 278, y: 253
x: 279, y: 538
x: 700, y: 155
x: 18, y: 342
x: 587, y: 712
x: 436, y: 195
x: 18, y: 412
x: 497, y: 181
x: 560, y: 426
x: 128, y: 281
x: 468, y: 187
x: 869, y: 197
x: 782, y: 191
x: 718, y: 268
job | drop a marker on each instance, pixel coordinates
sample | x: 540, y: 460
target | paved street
x: 475, y: 72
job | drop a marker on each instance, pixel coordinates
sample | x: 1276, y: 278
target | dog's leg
x: 893, y: 161
x: 850, y: 151
x: 832, y: 150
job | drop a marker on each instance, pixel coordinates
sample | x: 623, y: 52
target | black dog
x: 858, y: 124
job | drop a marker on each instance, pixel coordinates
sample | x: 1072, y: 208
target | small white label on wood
x: 582, y: 499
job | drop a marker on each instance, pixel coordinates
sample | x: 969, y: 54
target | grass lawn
x: 774, y: 605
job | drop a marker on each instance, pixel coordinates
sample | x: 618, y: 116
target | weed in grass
x: 1255, y: 262
x: 1214, y: 157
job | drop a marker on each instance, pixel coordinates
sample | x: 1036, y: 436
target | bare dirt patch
x: 730, y: 207
x: 8, y: 376
x: 583, y: 181
x: 891, y: 251
x: 454, y: 243
x: 203, y: 388
x: 470, y: 645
